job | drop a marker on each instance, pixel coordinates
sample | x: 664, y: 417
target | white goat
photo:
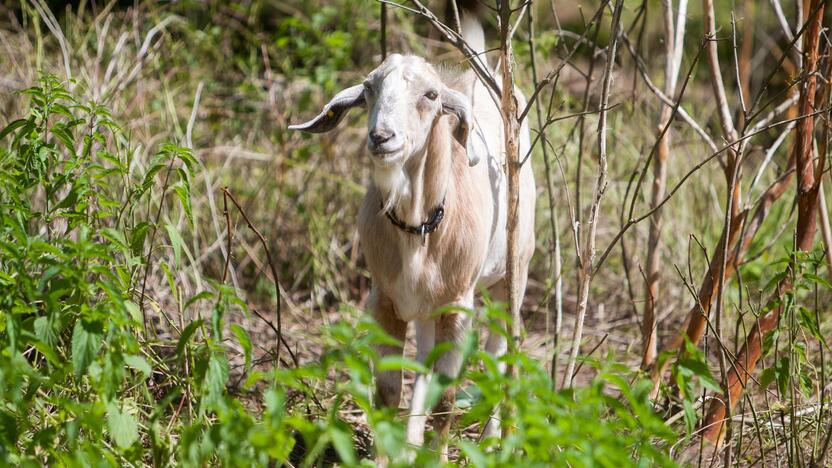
x: 433, y: 223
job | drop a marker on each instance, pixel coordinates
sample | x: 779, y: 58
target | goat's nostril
x: 378, y: 137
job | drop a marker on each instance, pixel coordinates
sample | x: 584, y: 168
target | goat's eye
x: 368, y: 89
x: 431, y: 95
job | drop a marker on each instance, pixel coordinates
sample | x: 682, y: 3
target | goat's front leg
x: 388, y: 383
x: 425, y: 340
x: 450, y: 328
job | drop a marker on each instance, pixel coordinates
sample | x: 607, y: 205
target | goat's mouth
x: 385, y: 154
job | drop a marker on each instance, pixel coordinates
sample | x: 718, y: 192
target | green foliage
x: 691, y: 376
x: 608, y: 422
x: 789, y: 347
x: 68, y: 323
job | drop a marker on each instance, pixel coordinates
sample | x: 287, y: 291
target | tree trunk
x: 673, y: 47
x: 807, y: 203
x: 511, y: 131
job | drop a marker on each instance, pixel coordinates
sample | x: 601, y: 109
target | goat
x: 432, y: 225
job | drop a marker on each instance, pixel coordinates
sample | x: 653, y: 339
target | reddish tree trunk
x: 807, y: 202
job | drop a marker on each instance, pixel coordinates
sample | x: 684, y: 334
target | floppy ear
x: 334, y: 111
x: 456, y: 103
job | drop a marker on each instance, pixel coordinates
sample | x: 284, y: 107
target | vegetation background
x: 181, y: 280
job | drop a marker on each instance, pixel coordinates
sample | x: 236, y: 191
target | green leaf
x: 47, y: 352
x: 123, y: 428
x: 775, y: 280
x: 117, y: 237
x: 701, y: 370
x: 807, y: 319
x: 690, y: 417
x: 197, y: 297
x: 766, y: 377
x: 184, y: 179
x: 216, y: 376
x: 45, y: 332
x: 396, y: 362
x: 171, y: 279
x: 472, y: 452
x: 817, y: 279
x: 186, y: 334
x: 342, y: 440
x: 139, y: 363
x: 134, y: 311
x: 176, y: 242
x: 185, y: 200
x: 12, y: 127
x: 138, y: 236
x: 782, y: 372
x: 150, y: 175
x: 245, y: 342
x: 63, y: 134
x: 84, y: 347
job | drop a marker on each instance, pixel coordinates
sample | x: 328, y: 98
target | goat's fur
x: 434, y: 161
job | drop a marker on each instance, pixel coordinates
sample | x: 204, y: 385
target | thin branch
x: 587, y: 272
x: 269, y: 259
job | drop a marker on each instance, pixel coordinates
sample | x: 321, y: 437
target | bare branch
x: 586, y: 273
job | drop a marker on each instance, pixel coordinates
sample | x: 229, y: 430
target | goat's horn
x: 334, y: 111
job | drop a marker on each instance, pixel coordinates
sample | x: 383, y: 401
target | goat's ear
x: 456, y: 103
x: 334, y: 111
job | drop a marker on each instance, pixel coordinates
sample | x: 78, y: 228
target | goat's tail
x: 472, y: 31
x: 469, y: 22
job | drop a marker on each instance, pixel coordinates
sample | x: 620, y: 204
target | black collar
x: 423, y: 229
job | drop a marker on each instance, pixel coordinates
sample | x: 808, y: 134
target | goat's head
x: 404, y: 96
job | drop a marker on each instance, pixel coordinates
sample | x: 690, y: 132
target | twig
x: 586, y: 272
x: 152, y: 241
x: 666, y: 100
x: 279, y: 331
x: 711, y: 53
x: 383, y: 38
x: 556, y: 71
x: 553, y: 220
x: 696, y: 168
x: 590, y: 353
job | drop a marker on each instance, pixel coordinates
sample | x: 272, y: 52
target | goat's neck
x: 423, y: 183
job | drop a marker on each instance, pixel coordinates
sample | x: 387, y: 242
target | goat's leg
x: 388, y: 383
x: 450, y: 328
x: 425, y: 340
